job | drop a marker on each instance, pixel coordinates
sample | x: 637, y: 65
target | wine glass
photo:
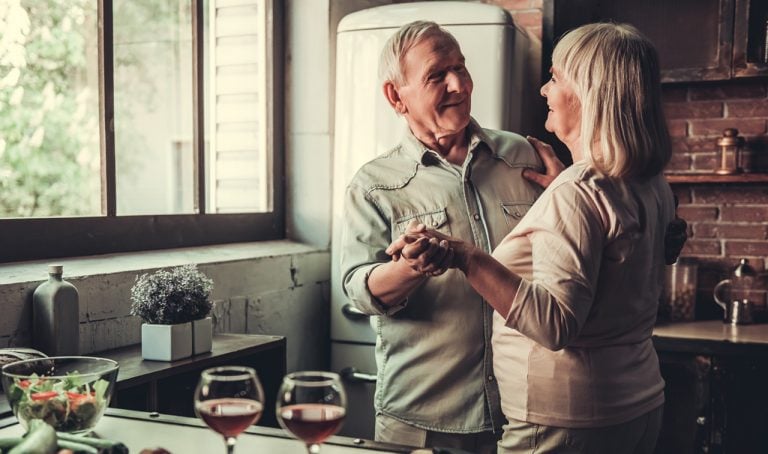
x: 311, y: 406
x: 229, y: 399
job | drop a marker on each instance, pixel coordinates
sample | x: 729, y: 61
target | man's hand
x: 428, y: 256
x: 413, y: 232
x: 553, y: 167
x: 424, y: 253
x: 420, y: 240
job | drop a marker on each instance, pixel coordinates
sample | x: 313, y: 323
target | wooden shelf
x: 712, y: 178
x: 168, y: 386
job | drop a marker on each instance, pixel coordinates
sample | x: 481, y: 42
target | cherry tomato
x: 44, y: 395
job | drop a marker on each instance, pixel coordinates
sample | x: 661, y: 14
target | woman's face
x: 564, y: 117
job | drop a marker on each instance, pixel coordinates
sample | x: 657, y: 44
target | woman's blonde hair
x: 391, y: 59
x: 614, y: 70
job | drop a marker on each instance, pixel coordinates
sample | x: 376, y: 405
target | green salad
x: 70, y: 404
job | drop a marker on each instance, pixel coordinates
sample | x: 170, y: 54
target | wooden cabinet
x: 696, y: 39
x: 168, y: 387
x: 716, y: 399
x: 750, y: 38
x: 686, y: 403
x: 713, y: 404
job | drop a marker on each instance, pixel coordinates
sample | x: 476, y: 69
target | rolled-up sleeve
x: 567, y: 239
x: 365, y: 235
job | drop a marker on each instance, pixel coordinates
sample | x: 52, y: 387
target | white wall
x: 310, y: 49
x: 308, y: 129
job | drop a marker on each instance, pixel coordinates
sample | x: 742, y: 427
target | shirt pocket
x: 434, y: 219
x: 515, y: 211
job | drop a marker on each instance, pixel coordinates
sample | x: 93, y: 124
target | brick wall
x: 526, y: 13
x: 726, y: 221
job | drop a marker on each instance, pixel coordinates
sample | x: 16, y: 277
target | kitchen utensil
x: 739, y: 312
x: 741, y: 287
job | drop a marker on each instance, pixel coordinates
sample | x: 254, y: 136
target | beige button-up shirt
x: 433, y: 351
x: 591, y: 251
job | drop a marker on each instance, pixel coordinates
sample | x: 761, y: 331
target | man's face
x: 436, y: 95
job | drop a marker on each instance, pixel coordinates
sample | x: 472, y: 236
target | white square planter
x: 202, y: 335
x: 166, y: 342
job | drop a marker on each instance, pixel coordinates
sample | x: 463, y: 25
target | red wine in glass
x: 229, y: 399
x: 311, y: 406
x: 230, y: 417
x: 313, y: 423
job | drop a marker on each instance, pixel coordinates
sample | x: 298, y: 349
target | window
x: 159, y: 129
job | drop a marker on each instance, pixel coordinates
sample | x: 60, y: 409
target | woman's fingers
x: 415, y: 227
x: 425, y: 250
x: 436, y: 260
x: 445, y: 261
x: 395, y: 248
x: 552, y: 165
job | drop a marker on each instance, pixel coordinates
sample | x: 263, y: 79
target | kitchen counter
x: 715, y: 375
x: 712, y: 337
x: 138, y: 430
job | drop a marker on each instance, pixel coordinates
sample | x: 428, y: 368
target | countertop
x: 712, y: 337
x: 139, y: 430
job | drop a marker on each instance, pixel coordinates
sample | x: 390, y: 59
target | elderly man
x: 435, y: 379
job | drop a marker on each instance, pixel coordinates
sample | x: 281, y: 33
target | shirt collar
x: 421, y: 153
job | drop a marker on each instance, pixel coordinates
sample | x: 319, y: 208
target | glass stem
x: 230, y: 444
x: 313, y: 448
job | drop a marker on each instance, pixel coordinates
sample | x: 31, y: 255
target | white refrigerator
x: 496, y: 55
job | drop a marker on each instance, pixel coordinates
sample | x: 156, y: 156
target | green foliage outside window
x: 49, y: 131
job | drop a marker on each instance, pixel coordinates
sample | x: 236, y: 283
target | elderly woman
x: 575, y: 285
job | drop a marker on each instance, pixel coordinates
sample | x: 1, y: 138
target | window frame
x: 56, y: 237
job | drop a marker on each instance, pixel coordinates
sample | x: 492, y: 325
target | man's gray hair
x: 409, y: 35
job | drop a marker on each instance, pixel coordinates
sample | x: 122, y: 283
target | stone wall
x: 283, y: 293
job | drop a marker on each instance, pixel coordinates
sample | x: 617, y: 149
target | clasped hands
x: 427, y: 251
x: 432, y: 253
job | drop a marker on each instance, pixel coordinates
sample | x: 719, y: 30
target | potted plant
x: 174, y: 305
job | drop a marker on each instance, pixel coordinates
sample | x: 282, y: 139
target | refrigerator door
x: 357, y: 367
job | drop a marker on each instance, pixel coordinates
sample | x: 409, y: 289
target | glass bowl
x: 70, y: 393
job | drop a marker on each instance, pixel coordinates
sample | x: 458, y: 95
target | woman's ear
x: 393, y: 97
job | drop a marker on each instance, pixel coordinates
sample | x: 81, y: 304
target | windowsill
x: 74, y: 267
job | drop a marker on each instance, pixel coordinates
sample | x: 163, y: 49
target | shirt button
x: 476, y: 216
x: 490, y: 378
x: 435, y: 223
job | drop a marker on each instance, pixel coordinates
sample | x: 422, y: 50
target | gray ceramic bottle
x: 56, y: 315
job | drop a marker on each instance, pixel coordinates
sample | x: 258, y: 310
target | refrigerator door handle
x: 352, y: 375
x: 353, y: 313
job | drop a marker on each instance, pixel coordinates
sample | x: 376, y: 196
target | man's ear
x: 393, y: 97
